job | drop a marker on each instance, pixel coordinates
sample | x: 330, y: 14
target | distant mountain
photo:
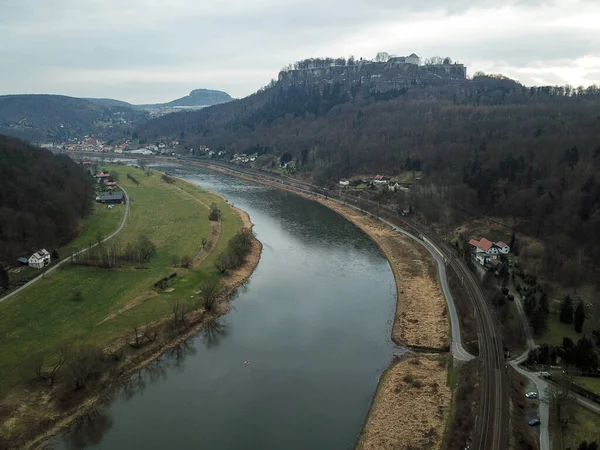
x: 202, y: 97
x: 110, y: 102
x: 40, y: 117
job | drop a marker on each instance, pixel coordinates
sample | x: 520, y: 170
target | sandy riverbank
x: 411, y: 406
x: 31, y: 416
x: 420, y: 320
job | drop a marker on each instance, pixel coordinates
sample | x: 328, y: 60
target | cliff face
x: 377, y: 76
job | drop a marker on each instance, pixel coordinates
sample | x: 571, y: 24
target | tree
x: 382, y: 57
x: 215, y: 213
x: 585, y: 446
x: 175, y: 260
x: 566, y: 310
x: 586, y: 357
x: 186, y: 261
x: 55, y: 255
x: 210, y: 293
x: 561, y: 400
x: 223, y: 263
x: 4, y: 279
x: 579, y: 317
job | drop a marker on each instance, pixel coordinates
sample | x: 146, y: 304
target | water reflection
x: 214, y: 332
x: 88, y: 430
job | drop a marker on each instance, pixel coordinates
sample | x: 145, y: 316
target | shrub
x: 505, y: 290
x: 215, y: 213
x: 186, y: 261
x: 418, y: 384
x: 408, y: 378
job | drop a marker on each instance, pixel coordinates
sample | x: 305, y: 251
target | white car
x: 531, y: 395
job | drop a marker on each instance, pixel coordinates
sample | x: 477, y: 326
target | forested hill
x: 201, y: 97
x: 42, y: 198
x: 488, y: 145
x: 57, y: 118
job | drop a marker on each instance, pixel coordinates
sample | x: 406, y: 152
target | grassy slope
x: 43, y: 317
x: 590, y: 383
x: 585, y: 426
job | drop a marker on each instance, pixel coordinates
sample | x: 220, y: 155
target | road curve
x: 68, y: 258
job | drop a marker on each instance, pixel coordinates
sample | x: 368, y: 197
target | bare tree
x: 210, y: 293
x: 150, y: 333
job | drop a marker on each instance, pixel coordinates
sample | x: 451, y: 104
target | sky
x: 149, y: 51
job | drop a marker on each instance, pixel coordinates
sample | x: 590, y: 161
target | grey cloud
x: 43, y: 40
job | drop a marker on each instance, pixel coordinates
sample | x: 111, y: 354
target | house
x: 503, y: 247
x: 487, y: 251
x: 380, y: 179
x: 103, y: 176
x: 344, y: 182
x: 109, y: 183
x: 114, y: 197
x: 39, y: 259
x: 413, y: 59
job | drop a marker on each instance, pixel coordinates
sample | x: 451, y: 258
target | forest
x: 486, y: 146
x: 42, y: 199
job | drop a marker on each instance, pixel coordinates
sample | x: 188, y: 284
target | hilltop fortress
x: 382, y: 74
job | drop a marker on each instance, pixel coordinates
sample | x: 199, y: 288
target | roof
x: 379, y: 177
x: 41, y: 253
x: 343, y: 179
x: 23, y: 260
x: 103, y: 175
x: 501, y: 244
x: 111, y: 196
x: 412, y: 55
x: 482, y: 244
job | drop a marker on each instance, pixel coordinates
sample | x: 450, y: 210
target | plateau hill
x: 486, y: 145
x: 42, y: 198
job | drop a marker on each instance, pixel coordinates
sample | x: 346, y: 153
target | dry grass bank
x: 411, y: 406
x: 420, y: 319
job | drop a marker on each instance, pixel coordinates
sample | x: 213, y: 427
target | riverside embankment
x: 296, y: 361
x: 33, y: 411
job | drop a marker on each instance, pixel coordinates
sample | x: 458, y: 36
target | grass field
x: 585, y: 426
x: 44, y: 316
x: 556, y: 331
x: 589, y: 383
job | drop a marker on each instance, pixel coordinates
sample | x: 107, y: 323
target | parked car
x: 534, y: 422
x: 531, y: 395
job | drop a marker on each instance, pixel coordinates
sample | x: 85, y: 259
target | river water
x: 313, y: 321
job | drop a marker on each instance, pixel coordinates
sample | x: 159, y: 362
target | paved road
x: 493, y: 417
x: 458, y: 351
x: 67, y: 259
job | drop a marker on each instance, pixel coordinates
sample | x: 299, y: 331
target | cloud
x: 154, y: 50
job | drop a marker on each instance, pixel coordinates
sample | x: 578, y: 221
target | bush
x: 215, y: 213
x: 505, y: 290
x: 418, y: 384
x: 408, y: 379
x: 186, y: 261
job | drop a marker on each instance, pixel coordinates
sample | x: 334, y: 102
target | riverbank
x: 404, y: 414
x: 33, y: 412
x: 411, y: 406
x: 420, y: 321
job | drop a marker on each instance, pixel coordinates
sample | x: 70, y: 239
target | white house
x: 39, y: 259
x: 486, y: 250
x: 503, y: 247
x: 344, y: 182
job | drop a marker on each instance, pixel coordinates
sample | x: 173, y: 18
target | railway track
x: 491, y: 432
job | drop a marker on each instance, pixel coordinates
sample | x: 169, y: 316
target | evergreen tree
x: 544, y: 304
x: 566, y: 310
x: 579, y: 317
x: 4, y: 279
x: 585, y: 355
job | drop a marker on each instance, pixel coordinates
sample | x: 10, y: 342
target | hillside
x: 201, y: 97
x: 486, y: 146
x: 40, y: 118
x: 42, y: 198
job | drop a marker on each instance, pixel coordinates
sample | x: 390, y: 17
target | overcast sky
x: 147, y: 51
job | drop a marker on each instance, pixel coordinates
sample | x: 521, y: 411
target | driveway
x: 67, y: 259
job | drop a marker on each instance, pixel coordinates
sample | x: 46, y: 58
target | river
x: 296, y: 362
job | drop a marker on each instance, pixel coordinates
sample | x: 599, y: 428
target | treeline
x: 487, y: 147
x: 42, y: 198
x: 237, y: 249
x: 112, y: 255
